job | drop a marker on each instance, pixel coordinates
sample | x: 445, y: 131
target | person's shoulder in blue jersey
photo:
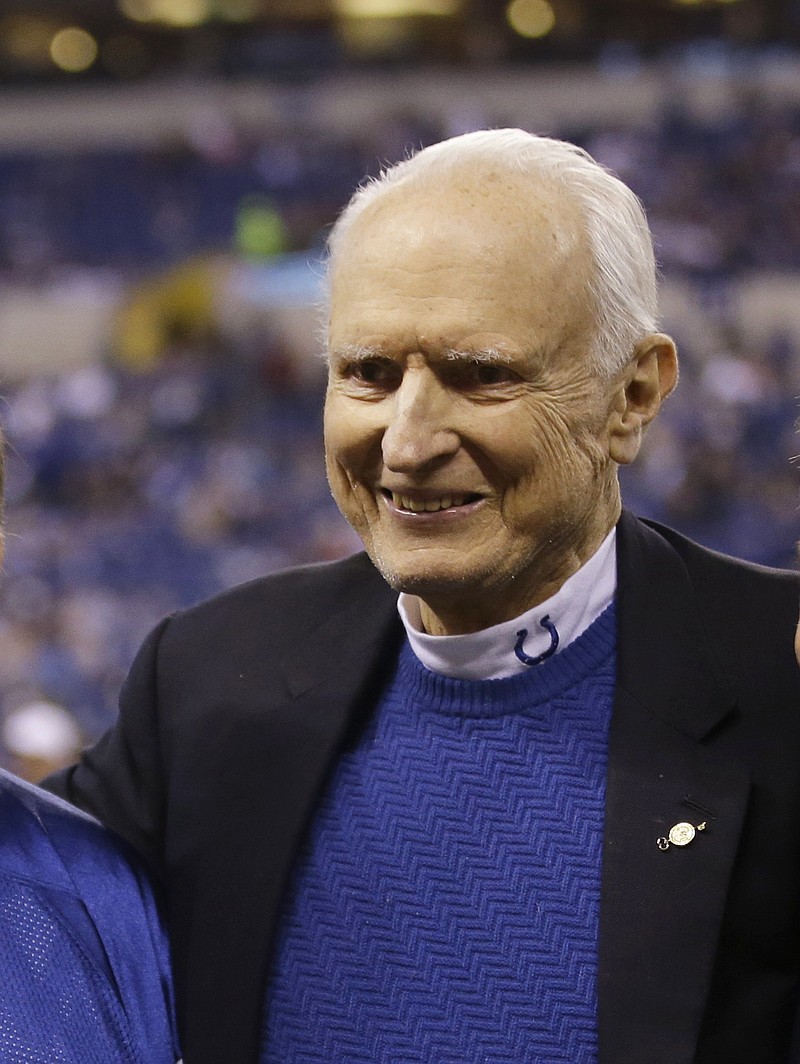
x: 85, y: 973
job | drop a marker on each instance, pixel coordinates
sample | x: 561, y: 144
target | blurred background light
x: 73, y: 49
x: 137, y: 10
x: 373, y: 37
x: 294, y: 40
x: 395, y: 8
x: 25, y: 40
x: 184, y: 14
x: 238, y: 10
x: 531, y: 18
x: 297, y: 10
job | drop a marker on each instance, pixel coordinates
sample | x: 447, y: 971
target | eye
x: 372, y: 371
x: 479, y: 373
x: 380, y: 373
x: 489, y: 373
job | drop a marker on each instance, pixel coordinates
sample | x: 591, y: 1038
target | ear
x: 641, y: 388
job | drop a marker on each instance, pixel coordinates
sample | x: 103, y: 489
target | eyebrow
x: 354, y: 353
x: 480, y: 354
x: 360, y: 353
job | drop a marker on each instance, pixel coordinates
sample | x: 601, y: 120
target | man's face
x: 465, y: 428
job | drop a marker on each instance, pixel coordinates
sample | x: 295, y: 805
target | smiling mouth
x: 410, y: 504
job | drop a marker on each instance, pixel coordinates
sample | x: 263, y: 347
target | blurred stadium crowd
x: 141, y: 483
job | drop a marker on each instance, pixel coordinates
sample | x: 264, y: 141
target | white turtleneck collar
x: 552, y: 625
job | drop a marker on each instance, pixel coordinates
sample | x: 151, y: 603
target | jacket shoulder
x: 291, y: 596
x: 733, y: 580
x: 293, y: 626
x: 748, y: 612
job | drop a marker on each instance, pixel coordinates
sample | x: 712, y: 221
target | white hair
x: 623, y: 281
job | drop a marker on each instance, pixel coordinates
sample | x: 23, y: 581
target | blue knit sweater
x: 445, y: 908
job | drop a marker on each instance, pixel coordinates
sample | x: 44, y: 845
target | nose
x: 420, y: 429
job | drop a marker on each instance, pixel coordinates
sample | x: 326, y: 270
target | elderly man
x: 545, y: 805
x: 84, y: 967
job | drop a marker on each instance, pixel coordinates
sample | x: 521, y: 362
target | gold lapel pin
x: 680, y: 835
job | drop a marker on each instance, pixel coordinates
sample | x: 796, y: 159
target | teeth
x: 431, y: 506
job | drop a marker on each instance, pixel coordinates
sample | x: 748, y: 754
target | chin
x: 426, y: 581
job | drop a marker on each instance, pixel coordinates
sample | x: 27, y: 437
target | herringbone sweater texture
x: 445, y: 907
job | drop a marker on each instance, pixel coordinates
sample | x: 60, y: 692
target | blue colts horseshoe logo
x: 522, y: 635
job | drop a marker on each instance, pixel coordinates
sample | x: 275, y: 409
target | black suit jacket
x: 235, y: 711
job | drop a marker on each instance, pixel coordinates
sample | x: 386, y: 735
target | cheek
x: 561, y: 472
x: 342, y: 436
x: 350, y: 447
x: 337, y: 444
x: 572, y: 438
x: 551, y: 447
x: 350, y: 428
x: 348, y: 494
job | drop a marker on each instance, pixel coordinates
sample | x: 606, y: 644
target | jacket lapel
x: 275, y: 757
x: 662, y: 909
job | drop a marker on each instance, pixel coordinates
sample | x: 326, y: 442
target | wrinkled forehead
x: 471, y: 252
x: 499, y: 220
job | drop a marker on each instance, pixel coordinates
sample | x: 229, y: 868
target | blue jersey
x: 84, y: 967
